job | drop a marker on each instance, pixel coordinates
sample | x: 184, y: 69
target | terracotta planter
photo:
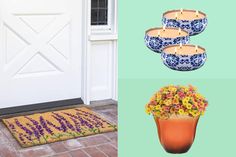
x: 176, y: 133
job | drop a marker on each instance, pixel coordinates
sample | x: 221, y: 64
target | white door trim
x: 86, y: 54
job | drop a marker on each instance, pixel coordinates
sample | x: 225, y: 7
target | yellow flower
x: 158, y: 107
x: 194, y: 113
x: 189, y: 106
x: 185, y: 113
x: 186, y: 89
x: 176, y: 96
x: 161, y: 102
x: 199, y: 96
x: 202, y: 104
x: 186, y: 101
x: 172, y: 89
x: 181, y: 111
x: 158, y: 97
x: 198, y: 113
x: 167, y: 102
x: 147, y: 109
x: 151, y: 107
x: 157, y: 114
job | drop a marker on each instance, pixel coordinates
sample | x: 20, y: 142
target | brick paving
x: 100, y: 145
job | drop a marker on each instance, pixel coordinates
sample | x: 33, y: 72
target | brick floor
x: 93, y: 140
x: 108, y: 149
x: 100, y: 145
x: 94, y: 152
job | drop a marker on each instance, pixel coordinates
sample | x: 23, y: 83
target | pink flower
x: 169, y: 96
x: 177, y: 107
x: 167, y: 108
x: 181, y: 94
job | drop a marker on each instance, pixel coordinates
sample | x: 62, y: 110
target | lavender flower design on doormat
x: 54, y: 126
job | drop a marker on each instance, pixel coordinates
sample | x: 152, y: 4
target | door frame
x: 85, y: 85
x: 86, y: 53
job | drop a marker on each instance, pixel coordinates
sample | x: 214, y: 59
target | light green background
x: 219, y: 38
x: 141, y: 73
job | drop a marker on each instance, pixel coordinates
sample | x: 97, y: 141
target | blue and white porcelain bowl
x: 185, y: 58
x: 194, y: 22
x: 156, y: 42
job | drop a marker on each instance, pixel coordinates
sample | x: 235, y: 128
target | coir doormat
x: 42, y: 128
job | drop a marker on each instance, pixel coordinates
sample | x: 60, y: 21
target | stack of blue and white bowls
x: 188, y: 23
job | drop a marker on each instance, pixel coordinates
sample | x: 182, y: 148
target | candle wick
x: 176, y: 16
x: 197, y: 13
x: 164, y: 28
x: 196, y: 48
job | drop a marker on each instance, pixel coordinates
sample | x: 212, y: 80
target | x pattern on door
x: 36, y: 43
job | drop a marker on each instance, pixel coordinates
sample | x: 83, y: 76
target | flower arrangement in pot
x: 176, y: 110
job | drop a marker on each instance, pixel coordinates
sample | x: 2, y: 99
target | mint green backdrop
x: 141, y: 73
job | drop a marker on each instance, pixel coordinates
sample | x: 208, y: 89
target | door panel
x: 40, y: 51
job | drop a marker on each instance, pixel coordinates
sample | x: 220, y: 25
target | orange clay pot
x: 176, y: 134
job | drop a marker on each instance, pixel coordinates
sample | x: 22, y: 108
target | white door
x: 40, y: 51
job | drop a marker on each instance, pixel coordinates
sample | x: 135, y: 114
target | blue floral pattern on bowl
x: 157, y: 44
x: 183, y: 62
x: 193, y: 27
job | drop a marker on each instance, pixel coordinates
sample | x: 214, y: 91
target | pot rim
x: 153, y: 28
x: 178, y: 117
x: 204, y: 50
x: 189, y: 10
